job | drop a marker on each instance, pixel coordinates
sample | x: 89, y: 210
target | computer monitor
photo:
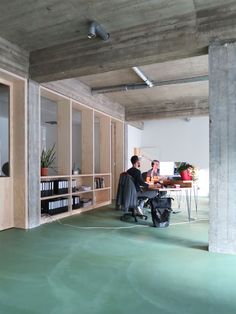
x: 167, y: 168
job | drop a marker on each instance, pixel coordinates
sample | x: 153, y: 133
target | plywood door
x: 6, y: 183
x: 6, y: 203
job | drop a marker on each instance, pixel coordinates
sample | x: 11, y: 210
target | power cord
x: 95, y: 227
x: 117, y: 228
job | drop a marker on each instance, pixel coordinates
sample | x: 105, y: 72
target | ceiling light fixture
x: 96, y: 29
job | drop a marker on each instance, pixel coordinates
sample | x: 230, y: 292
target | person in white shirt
x: 155, y: 171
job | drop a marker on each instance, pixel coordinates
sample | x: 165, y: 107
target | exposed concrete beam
x: 82, y: 93
x: 173, y: 37
x: 167, y: 115
x: 13, y: 58
x: 146, y: 44
x: 163, y: 111
x: 137, y: 124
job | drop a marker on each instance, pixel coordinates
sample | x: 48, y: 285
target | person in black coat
x: 138, y: 180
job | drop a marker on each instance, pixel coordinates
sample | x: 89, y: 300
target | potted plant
x: 47, y: 160
x: 187, y: 171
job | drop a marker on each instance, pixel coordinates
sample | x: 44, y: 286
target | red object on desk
x: 185, y: 175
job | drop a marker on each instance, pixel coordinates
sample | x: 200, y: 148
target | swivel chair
x: 5, y: 169
x: 127, y: 199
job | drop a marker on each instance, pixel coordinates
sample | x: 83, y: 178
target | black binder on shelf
x: 55, y: 206
x: 99, y: 183
x: 61, y: 186
x: 76, y: 202
x: 46, y: 188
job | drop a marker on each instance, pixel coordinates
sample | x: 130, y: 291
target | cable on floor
x: 96, y: 227
x: 118, y: 228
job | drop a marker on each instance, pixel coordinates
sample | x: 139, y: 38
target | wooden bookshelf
x: 76, y: 128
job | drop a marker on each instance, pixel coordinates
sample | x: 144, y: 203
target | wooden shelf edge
x: 81, y: 192
x: 81, y: 210
x: 52, y: 218
x: 102, y: 189
x: 102, y: 174
x: 101, y: 204
x: 81, y: 175
x: 54, y: 196
x: 55, y: 177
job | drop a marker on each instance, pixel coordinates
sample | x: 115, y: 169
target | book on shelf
x: 99, y: 183
x: 76, y: 202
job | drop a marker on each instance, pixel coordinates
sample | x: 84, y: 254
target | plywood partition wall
x: 117, y: 153
x: 105, y: 143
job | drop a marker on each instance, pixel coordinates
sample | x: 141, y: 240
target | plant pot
x: 44, y: 172
x: 185, y: 175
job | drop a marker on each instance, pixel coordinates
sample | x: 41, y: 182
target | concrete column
x: 222, y: 108
x: 34, y: 211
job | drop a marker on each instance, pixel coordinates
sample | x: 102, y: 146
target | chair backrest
x: 5, y: 169
x: 126, y: 194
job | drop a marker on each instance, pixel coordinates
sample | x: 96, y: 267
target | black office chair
x: 127, y: 199
x: 5, y: 169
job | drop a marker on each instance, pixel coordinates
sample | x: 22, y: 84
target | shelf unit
x: 83, y: 138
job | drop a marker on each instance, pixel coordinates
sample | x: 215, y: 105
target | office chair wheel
x: 127, y: 216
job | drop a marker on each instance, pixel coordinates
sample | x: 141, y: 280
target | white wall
x: 134, y: 140
x: 175, y: 140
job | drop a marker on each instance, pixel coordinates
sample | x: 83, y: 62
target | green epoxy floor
x: 65, y: 270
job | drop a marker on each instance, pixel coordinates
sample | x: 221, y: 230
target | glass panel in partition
x: 49, y: 130
x: 76, y: 142
x: 4, y: 130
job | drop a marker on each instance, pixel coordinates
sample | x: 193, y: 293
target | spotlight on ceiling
x: 96, y: 29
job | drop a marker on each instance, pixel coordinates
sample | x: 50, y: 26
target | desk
x: 188, y: 187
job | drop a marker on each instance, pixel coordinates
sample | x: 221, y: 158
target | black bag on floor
x: 161, y: 210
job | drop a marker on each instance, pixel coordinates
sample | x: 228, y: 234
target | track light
x: 96, y: 29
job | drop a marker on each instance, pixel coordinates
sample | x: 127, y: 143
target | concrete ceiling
x: 176, y: 69
x: 186, y: 99
x: 38, y: 24
x: 142, y: 32
x: 162, y: 37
